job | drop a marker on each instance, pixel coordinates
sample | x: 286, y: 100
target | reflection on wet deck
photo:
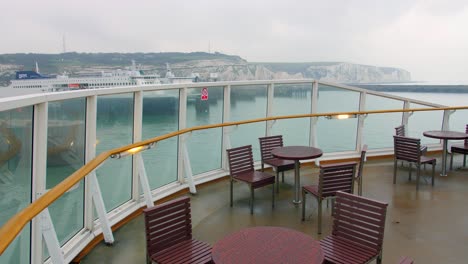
x: 430, y: 225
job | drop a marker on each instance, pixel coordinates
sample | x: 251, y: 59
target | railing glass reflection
x: 15, y: 176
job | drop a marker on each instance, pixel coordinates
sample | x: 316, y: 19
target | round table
x: 445, y: 136
x: 297, y: 153
x: 267, y: 244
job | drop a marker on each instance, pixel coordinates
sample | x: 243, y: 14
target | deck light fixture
x: 132, y: 151
x: 344, y: 116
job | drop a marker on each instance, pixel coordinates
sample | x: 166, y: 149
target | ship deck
x: 429, y: 226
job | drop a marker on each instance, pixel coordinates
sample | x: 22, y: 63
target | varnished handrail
x: 13, y: 226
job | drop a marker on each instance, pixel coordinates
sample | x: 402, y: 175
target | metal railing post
x: 39, y: 169
x: 360, y: 129
x: 182, y: 125
x: 226, y: 135
x: 314, y: 120
x: 137, y: 136
x: 269, y: 112
x: 90, y: 153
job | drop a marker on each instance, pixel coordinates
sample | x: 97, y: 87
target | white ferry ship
x: 118, y: 78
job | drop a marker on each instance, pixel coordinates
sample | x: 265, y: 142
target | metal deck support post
x: 361, y: 118
x: 91, y: 117
x: 100, y: 209
x: 314, y: 120
x: 446, y: 121
x: 182, y: 125
x: 270, y: 97
x: 188, y: 169
x: 137, y: 131
x: 143, y: 180
x: 226, y: 117
x: 405, y: 117
x: 50, y: 237
x: 183, y: 161
x: 39, y: 169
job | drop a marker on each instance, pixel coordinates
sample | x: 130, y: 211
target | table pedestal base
x: 297, y: 183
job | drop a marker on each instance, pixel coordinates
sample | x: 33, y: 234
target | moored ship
x: 117, y: 78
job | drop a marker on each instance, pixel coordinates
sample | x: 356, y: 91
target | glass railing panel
x: 204, y: 146
x: 248, y: 102
x: 458, y: 120
x: 65, y: 154
x: 379, y: 129
x: 292, y: 99
x: 419, y: 122
x: 114, y: 129
x: 15, y: 177
x: 161, y: 116
x: 335, y: 135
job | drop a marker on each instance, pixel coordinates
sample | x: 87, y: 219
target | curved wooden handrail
x: 13, y: 226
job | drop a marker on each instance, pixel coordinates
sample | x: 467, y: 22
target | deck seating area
x: 407, y: 229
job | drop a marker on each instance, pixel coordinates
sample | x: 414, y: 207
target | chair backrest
x: 406, y: 148
x: 361, y: 161
x: 359, y: 219
x: 466, y: 131
x: 240, y: 160
x: 167, y: 224
x: 400, y: 131
x: 267, y: 144
x: 336, y: 177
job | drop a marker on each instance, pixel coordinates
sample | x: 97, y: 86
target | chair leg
x: 303, y: 204
x: 282, y: 175
x: 451, y: 160
x: 379, y: 258
x: 394, y: 171
x: 360, y: 186
x: 251, y: 199
x: 410, y: 165
x: 433, y: 173
x: 277, y: 182
x: 418, y: 174
x: 232, y: 182
x: 319, y: 216
x: 273, y: 196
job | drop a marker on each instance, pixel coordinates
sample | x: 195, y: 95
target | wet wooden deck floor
x: 430, y: 225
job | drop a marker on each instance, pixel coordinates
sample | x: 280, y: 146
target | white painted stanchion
x: 101, y: 209
x: 50, y: 238
x: 144, y: 180
x: 188, y: 170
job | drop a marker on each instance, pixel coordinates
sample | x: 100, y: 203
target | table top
x: 440, y: 134
x: 297, y: 152
x: 267, y: 244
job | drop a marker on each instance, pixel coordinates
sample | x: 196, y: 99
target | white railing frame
x: 40, y: 103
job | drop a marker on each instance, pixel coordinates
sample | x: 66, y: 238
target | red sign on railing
x: 204, y: 94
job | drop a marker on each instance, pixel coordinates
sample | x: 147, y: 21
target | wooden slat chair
x: 332, y: 178
x: 461, y: 149
x: 169, y: 234
x: 267, y: 144
x: 358, y: 230
x: 409, y: 149
x: 401, y: 131
x: 241, y: 169
x: 358, y: 177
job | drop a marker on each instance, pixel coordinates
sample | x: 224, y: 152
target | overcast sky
x: 429, y: 38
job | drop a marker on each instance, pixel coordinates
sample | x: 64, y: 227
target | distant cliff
x: 339, y: 72
x: 208, y: 66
